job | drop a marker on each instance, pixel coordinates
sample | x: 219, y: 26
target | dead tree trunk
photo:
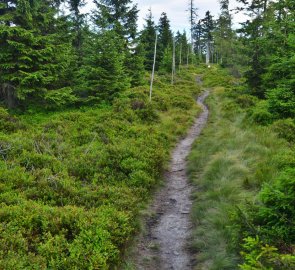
x: 154, y: 64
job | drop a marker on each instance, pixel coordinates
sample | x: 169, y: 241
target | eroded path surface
x: 164, y: 245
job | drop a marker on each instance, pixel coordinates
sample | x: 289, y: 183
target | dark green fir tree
x: 165, y: 38
x: 121, y: 17
x: 147, y: 41
x: 33, y: 59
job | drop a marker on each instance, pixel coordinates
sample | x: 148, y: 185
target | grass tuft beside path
x: 228, y: 164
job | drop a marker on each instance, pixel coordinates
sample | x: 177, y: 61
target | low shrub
x: 246, y: 101
x: 260, y: 256
x: 285, y: 128
x: 8, y: 123
x: 275, y: 216
x: 260, y: 113
x: 73, y: 182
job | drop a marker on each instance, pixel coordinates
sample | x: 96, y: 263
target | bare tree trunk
x: 180, y: 56
x: 187, y: 55
x: 173, y: 62
x: 154, y: 64
x: 192, y: 23
x: 207, y: 53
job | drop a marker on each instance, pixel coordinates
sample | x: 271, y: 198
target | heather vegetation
x: 72, y: 182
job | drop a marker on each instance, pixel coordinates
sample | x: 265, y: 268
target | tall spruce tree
x: 224, y: 35
x: 208, y: 27
x: 197, y: 33
x: 103, y: 75
x: 165, y: 40
x: 279, y: 78
x: 33, y: 58
x: 254, y: 36
x: 147, y: 40
x: 121, y: 17
x: 78, y: 22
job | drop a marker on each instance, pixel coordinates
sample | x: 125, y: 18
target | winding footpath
x: 164, y: 244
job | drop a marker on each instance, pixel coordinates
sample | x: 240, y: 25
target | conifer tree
x: 165, y: 38
x: 134, y: 64
x: 279, y: 78
x: 254, y: 34
x: 103, y: 75
x: 147, y: 41
x: 121, y: 17
x: 33, y: 59
x: 197, y: 33
x: 181, y: 47
x: 167, y: 61
x: 78, y: 24
x: 207, y: 34
x: 224, y: 35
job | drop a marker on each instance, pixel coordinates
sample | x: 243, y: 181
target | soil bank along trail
x: 164, y: 245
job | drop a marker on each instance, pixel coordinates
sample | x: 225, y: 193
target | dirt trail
x: 164, y: 245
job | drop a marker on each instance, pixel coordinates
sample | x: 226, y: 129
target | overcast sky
x: 177, y: 11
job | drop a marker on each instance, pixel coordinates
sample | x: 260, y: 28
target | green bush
x: 260, y: 113
x: 275, y: 217
x: 59, y: 98
x: 246, y: 101
x: 282, y: 100
x: 285, y: 128
x: 183, y: 102
x: 8, y: 123
x: 259, y: 256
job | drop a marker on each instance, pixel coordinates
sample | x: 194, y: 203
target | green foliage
x: 165, y: 38
x: 166, y: 63
x: 60, y: 98
x: 282, y: 101
x: 72, y: 182
x: 285, y: 128
x: 270, y: 53
x: 119, y: 16
x: 8, y: 123
x: 245, y: 187
x: 246, y: 101
x: 147, y: 40
x: 276, y: 214
x: 262, y: 256
x: 135, y: 66
x: 33, y: 58
x: 261, y: 114
x: 103, y: 75
x: 217, y: 77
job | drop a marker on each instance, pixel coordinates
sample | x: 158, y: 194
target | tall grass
x: 228, y: 164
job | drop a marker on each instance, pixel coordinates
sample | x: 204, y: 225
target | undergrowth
x: 72, y: 183
x: 240, y: 171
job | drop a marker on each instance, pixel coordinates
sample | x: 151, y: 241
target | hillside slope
x: 72, y: 182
